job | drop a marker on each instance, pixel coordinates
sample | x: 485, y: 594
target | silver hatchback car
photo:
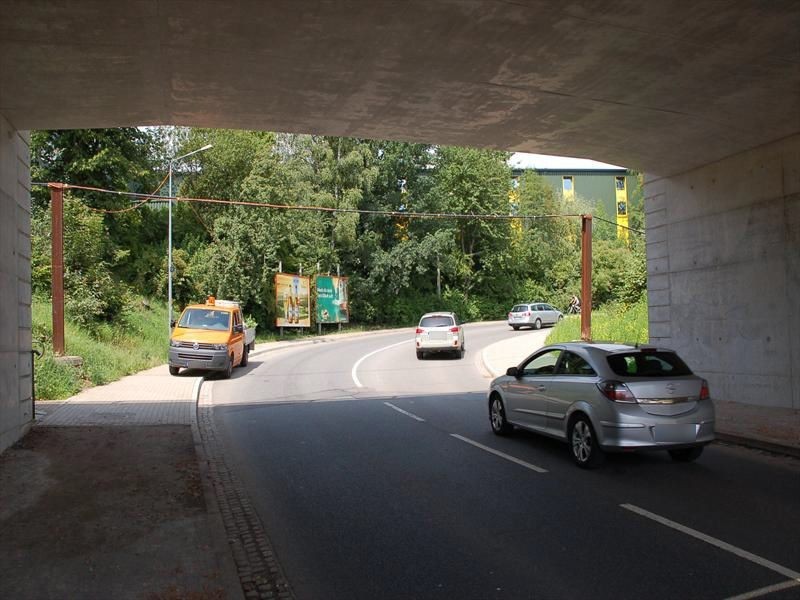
x: 533, y: 315
x: 606, y: 397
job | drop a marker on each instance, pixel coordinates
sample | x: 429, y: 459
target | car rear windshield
x: 648, y: 364
x: 520, y: 308
x: 438, y: 321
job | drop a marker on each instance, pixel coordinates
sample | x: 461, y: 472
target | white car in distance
x: 439, y: 332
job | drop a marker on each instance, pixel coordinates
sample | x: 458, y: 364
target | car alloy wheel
x: 585, y: 450
x: 537, y: 324
x: 497, y: 417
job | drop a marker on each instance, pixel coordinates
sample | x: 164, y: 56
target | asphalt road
x: 377, y: 476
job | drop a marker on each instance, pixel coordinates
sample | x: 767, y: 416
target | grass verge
x: 109, y: 350
x: 613, y: 323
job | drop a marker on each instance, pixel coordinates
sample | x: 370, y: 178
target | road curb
x: 228, y: 576
x: 757, y: 444
x: 255, y: 563
x: 486, y: 364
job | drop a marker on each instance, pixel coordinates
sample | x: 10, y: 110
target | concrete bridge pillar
x: 15, y: 284
x: 723, y: 263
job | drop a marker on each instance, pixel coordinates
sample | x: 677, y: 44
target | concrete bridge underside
x: 703, y: 96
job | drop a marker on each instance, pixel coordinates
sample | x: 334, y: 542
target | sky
x: 545, y: 161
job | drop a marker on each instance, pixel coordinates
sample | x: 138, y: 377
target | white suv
x: 440, y: 332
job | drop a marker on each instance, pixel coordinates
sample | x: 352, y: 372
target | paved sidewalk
x: 773, y: 429
x: 151, y: 397
x: 108, y: 497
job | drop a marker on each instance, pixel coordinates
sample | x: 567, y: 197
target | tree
x: 113, y: 159
x: 116, y: 159
x: 474, y: 181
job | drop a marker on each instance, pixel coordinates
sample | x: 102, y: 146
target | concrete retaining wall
x: 15, y: 285
x: 723, y: 263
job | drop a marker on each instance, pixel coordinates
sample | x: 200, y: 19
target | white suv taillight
x: 616, y: 391
x: 420, y: 330
x: 454, y: 330
x: 705, y: 394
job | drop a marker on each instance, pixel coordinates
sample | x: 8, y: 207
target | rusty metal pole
x: 57, y: 250
x: 586, y: 277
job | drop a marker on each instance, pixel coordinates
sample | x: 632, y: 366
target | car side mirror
x: 172, y: 323
x: 512, y: 372
x: 238, y: 328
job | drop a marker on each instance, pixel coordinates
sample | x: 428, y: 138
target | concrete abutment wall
x: 15, y: 285
x: 723, y: 264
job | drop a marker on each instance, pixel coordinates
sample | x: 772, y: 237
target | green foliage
x: 91, y: 293
x: 396, y: 265
x: 114, y: 159
x: 613, y: 323
x: 109, y: 351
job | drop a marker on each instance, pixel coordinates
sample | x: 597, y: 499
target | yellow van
x: 211, y: 336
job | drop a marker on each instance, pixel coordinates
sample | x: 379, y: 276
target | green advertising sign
x: 332, y: 304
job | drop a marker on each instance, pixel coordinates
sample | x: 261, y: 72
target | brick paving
x: 259, y: 571
x: 151, y: 397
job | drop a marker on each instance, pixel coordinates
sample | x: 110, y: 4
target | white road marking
x: 366, y: 356
x: 405, y: 412
x: 768, y: 564
x: 767, y: 590
x: 500, y: 454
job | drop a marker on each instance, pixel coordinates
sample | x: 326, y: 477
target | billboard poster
x: 332, y: 304
x: 293, y: 301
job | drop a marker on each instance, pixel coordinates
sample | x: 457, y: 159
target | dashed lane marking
x: 794, y: 576
x: 405, y: 412
x: 513, y: 459
x: 778, y: 587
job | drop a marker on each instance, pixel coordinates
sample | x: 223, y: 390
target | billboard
x: 332, y: 304
x: 292, y: 299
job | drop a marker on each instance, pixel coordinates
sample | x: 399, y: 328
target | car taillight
x: 454, y: 330
x: 420, y: 330
x: 616, y: 391
x: 705, y: 394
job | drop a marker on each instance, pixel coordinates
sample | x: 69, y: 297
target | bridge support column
x: 15, y: 285
x: 723, y: 264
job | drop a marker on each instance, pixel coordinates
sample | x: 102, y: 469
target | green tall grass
x: 612, y: 323
x: 109, y: 351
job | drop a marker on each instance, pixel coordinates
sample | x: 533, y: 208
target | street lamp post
x: 169, y: 232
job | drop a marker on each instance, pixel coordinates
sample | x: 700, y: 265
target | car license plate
x: 675, y: 434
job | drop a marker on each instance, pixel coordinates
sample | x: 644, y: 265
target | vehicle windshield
x: 205, y: 318
x: 437, y: 321
x: 648, y: 364
x: 520, y: 308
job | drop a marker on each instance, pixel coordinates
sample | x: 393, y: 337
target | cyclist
x: 574, y: 305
